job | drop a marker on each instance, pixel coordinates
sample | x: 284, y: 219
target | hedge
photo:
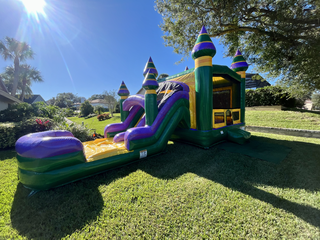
x: 7, y: 135
x: 269, y: 96
x: 10, y: 132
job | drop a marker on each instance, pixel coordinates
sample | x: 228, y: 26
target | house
x: 94, y: 103
x: 308, y: 104
x: 34, y: 98
x: 259, y: 82
x: 5, y: 97
x: 99, y: 102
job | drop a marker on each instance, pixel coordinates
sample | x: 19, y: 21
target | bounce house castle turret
x: 123, y: 93
x: 240, y: 66
x: 203, y: 52
x: 150, y: 84
x: 150, y: 67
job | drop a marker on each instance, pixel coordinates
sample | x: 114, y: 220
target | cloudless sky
x: 88, y: 46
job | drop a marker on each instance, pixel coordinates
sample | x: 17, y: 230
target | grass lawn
x: 284, y: 119
x: 94, y: 123
x: 186, y: 193
x: 280, y: 119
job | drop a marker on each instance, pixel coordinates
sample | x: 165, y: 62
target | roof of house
x: 98, y: 101
x: 2, y: 86
x: 4, y: 92
x: 31, y: 99
x: 255, y: 83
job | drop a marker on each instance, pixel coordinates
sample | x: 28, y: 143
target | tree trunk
x: 111, y: 109
x: 24, y: 83
x: 16, y: 76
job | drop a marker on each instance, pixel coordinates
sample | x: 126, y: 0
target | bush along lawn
x: 94, y: 123
x: 284, y: 119
x: 23, y: 118
x: 186, y: 193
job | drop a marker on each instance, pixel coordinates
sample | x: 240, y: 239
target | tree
x: 8, y: 79
x: 163, y: 75
x: 96, y: 96
x: 316, y: 100
x: 64, y: 100
x: 18, y: 52
x: 99, y: 109
x: 86, y: 108
x: 281, y: 38
x: 27, y: 76
x: 51, y: 101
x: 111, y: 98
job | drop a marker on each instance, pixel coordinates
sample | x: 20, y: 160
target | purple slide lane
x: 120, y: 136
x: 148, y: 131
x: 117, y: 127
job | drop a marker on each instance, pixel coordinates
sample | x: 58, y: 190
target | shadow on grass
x: 55, y: 213
x: 300, y: 170
x: 60, y: 212
x: 8, y: 154
x: 301, y: 110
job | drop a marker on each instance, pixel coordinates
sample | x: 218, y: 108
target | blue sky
x: 89, y: 46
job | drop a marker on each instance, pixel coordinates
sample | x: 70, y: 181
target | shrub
x: 99, y: 109
x: 79, y: 131
x: 16, y: 112
x: 104, y: 116
x: 100, y: 117
x: 40, y: 109
x: 86, y: 108
x: 10, y: 132
x: 91, y: 115
x: 7, y: 135
x: 269, y: 96
x: 67, y: 112
x: 32, y: 125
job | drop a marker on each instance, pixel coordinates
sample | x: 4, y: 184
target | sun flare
x: 34, y: 6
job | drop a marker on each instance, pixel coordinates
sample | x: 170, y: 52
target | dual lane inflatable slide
x: 201, y: 106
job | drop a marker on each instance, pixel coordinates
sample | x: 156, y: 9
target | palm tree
x: 27, y: 76
x: 18, y: 52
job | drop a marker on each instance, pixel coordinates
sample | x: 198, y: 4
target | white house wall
x: 3, y: 105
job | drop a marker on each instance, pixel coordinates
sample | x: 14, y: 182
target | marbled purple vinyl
x: 47, y: 144
x: 150, y: 70
x: 239, y: 64
x: 133, y: 100
x: 123, y: 92
x: 142, y: 121
x: 150, y: 83
x: 203, y: 45
x: 148, y: 131
x: 117, y: 127
x: 119, y: 137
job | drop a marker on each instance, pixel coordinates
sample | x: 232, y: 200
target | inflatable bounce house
x: 202, y: 106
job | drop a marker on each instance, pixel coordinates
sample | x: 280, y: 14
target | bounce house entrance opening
x: 226, y: 102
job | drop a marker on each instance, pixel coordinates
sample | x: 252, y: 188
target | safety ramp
x: 238, y: 135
